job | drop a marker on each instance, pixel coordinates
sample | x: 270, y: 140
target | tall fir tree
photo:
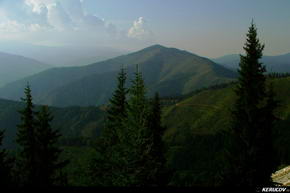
x: 251, y: 153
x: 27, y: 163
x: 158, y: 173
x: 107, y: 169
x: 48, y: 162
x: 130, y: 149
x: 137, y: 136
x: 37, y: 161
x: 116, y: 112
x: 5, y: 165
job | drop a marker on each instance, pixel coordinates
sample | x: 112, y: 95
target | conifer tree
x: 27, y: 163
x: 48, y: 163
x: 158, y: 175
x: 37, y: 161
x: 251, y: 152
x: 108, y: 168
x: 116, y: 112
x: 5, y: 165
x: 156, y: 128
x: 131, y: 148
x: 138, y: 139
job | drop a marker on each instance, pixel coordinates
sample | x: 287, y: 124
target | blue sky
x: 209, y: 28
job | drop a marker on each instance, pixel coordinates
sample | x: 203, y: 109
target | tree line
x: 130, y: 146
x: 130, y: 150
x: 278, y: 75
x: 36, y: 162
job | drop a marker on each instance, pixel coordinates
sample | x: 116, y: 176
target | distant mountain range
x: 61, y: 55
x: 169, y: 71
x: 279, y: 63
x: 15, y: 67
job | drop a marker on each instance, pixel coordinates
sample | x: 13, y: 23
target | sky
x: 209, y: 28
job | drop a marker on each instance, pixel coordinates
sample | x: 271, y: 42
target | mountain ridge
x: 278, y: 63
x: 14, y: 67
x: 169, y: 71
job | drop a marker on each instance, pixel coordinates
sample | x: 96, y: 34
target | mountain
x: 73, y: 122
x: 60, y: 55
x: 15, y: 67
x: 169, y: 71
x: 195, y: 138
x: 279, y: 63
x: 93, y: 55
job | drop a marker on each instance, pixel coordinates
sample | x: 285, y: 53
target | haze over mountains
x: 15, y: 67
x: 280, y: 63
x: 62, y: 55
x: 169, y: 71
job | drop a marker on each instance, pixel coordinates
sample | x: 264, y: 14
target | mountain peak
x: 154, y: 47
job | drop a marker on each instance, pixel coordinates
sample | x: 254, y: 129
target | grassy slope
x: 208, y: 112
x: 196, y: 145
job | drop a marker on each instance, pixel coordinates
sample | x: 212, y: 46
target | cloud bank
x: 63, y: 22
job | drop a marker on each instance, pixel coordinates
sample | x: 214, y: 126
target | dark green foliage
x: 37, y: 162
x: 197, y: 160
x: 278, y: 75
x: 6, y: 164
x: 131, y: 151
x: 251, y: 150
x: 116, y: 112
x: 137, y: 136
x: 48, y: 164
x: 195, y: 145
x: 77, y: 170
x: 26, y: 138
x: 107, y: 168
x: 77, y: 125
x: 160, y: 175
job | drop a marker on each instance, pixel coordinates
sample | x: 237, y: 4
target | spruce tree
x: 48, y: 164
x: 138, y: 139
x: 37, y: 161
x: 27, y: 163
x: 251, y: 152
x: 131, y: 151
x: 159, y: 174
x: 116, y: 112
x: 108, y: 168
x: 5, y: 165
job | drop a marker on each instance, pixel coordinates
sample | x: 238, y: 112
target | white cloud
x: 68, y: 15
x: 140, y: 30
x: 65, y: 22
x: 58, y: 18
x: 38, y: 6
